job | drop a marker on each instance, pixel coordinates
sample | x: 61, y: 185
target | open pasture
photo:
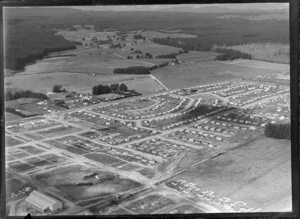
x: 82, y: 61
x: 275, y: 67
x: 72, y: 81
x: 267, y: 182
x: 192, y: 74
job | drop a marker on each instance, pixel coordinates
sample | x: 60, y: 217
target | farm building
x: 43, y: 203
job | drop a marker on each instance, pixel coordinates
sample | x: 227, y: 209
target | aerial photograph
x: 147, y: 109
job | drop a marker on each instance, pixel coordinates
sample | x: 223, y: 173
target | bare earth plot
x: 257, y: 173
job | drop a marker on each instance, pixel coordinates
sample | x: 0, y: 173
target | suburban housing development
x: 119, y: 119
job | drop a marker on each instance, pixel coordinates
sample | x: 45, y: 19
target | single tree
x: 123, y: 87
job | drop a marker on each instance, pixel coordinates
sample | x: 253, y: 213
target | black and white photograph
x: 147, y: 109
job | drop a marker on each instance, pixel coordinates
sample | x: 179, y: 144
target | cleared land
x: 250, y: 173
x: 78, y: 183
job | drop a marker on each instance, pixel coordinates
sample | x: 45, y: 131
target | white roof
x: 40, y: 200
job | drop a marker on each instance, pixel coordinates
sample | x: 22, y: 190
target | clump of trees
x: 158, y: 66
x: 172, y: 55
x: 10, y: 95
x: 106, y: 89
x: 230, y: 54
x: 138, y: 70
x: 148, y: 55
x: 278, y: 131
x: 58, y: 89
x: 139, y: 37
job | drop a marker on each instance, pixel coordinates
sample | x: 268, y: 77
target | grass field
x: 275, y: 67
x: 84, y: 62
x: 191, y: 74
x: 258, y: 173
x: 71, y: 81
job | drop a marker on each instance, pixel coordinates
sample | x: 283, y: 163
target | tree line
x: 106, y: 89
x: 168, y: 56
x: 278, y: 131
x: 10, y: 95
x: 138, y: 70
x: 230, y: 54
